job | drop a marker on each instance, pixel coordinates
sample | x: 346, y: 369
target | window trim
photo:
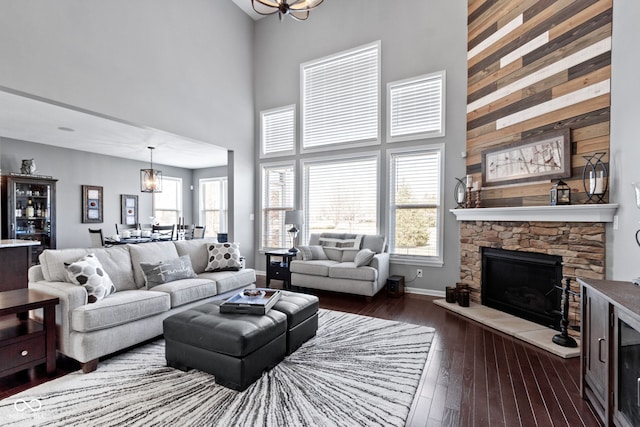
x: 284, y: 163
x: 417, y: 135
x: 293, y: 151
x: 224, y: 201
x: 343, y: 145
x: 179, y: 201
x: 304, y: 232
x: 428, y: 261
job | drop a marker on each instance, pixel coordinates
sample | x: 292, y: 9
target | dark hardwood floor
x: 474, y: 376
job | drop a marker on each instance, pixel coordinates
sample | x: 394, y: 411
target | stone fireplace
x: 576, y: 234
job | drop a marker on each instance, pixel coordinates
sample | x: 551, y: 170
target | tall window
x: 213, y: 205
x: 277, y: 197
x: 341, y: 98
x: 416, y: 108
x: 167, y: 206
x: 415, y: 204
x: 278, y: 131
x: 341, y: 195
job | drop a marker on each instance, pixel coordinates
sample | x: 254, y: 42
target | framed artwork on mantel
x: 91, y: 204
x: 539, y: 158
x: 128, y: 209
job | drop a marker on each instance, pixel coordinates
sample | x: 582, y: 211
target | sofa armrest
x: 71, y: 297
x: 381, y: 263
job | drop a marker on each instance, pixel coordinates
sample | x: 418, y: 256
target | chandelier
x: 151, y: 179
x: 297, y: 9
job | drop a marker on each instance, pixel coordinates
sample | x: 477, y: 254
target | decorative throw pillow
x: 363, y: 257
x: 167, y: 271
x: 341, y: 243
x: 88, y: 272
x: 312, y: 252
x: 224, y: 256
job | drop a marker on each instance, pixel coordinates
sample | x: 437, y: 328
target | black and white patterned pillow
x: 224, y: 256
x: 312, y: 252
x: 167, y: 271
x: 88, y: 273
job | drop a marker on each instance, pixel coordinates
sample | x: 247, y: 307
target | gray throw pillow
x: 363, y: 257
x: 167, y: 271
x: 312, y: 252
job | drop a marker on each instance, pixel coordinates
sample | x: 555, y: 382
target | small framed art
x: 91, y: 204
x: 128, y: 209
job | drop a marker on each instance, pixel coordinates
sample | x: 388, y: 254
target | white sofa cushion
x: 52, y: 262
x: 119, y: 308
x: 197, y: 251
x: 348, y: 270
x: 313, y: 268
x: 228, y: 280
x: 149, y: 252
x: 116, y: 261
x: 185, y: 291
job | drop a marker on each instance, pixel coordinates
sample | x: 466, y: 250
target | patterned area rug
x: 357, y: 371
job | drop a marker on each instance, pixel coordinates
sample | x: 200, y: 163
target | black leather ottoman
x: 235, y: 348
x: 302, y: 317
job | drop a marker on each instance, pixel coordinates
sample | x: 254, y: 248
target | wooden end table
x: 25, y: 342
x: 279, y: 269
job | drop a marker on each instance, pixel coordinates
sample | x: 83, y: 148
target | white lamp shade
x: 293, y: 217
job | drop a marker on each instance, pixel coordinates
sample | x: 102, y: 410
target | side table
x: 25, y: 342
x: 279, y: 269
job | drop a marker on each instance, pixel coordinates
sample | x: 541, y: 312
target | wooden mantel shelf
x: 565, y: 213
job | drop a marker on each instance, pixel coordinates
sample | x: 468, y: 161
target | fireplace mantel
x: 565, y: 213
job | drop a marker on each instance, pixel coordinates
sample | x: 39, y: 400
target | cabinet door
x: 597, y: 342
x: 627, y: 370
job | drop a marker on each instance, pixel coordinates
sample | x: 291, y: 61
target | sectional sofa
x: 134, y: 312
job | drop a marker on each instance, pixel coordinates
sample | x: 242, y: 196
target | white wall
x: 623, y: 253
x: 180, y: 66
x: 418, y: 37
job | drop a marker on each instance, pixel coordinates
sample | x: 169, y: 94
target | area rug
x: 357, y: 371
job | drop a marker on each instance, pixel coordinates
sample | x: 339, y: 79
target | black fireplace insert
x: 523, y: 284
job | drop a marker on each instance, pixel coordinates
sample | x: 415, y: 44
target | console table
x: 610, y: 365
x: 25, y: 342
x: 279, y: 269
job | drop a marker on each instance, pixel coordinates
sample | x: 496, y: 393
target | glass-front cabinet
x: 627, y: 405
x: 29, y: 211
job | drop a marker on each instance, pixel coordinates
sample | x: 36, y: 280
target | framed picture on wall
x: 128, y: 209
x: 91, y: 204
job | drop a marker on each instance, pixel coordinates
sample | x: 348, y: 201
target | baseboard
x: 420, y: 291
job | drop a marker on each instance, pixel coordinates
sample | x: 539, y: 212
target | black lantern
x: 560, y: 194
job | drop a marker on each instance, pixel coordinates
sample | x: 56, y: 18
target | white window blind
x: 340, y: 98
x: 167, y: 206
x: 278, y: 131
x: 415, y: 203
x: 341, y: 196
x: 213, y: 205
x: 416, y: 108
x: 277, y: 197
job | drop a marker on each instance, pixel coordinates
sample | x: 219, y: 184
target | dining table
x: 133, y: 240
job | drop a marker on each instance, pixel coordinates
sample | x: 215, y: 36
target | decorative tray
x: 251, y: 301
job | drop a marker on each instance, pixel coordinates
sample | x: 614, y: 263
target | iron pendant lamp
x: 297, y: 9
x: 151, y: 179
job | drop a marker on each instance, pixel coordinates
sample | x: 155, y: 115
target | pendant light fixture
x: 151, y: 179
x: 297, y: 9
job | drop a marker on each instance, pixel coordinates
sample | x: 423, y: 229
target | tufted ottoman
x: 235, y: 348
x: 302, y: 317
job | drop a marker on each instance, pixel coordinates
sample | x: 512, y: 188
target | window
x: 167, y: 206
x: 416, y: 108
x: 341, y: 98
x: 213, y: 205
x: 341, y: 195
x: 278, y: 131
x: 415, y: 197
x: 277, y: 197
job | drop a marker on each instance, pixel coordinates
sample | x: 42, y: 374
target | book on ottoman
x: 251, y: 301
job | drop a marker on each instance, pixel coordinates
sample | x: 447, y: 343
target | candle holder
x: 460, y: 193
x: 478, y: 198
x: 594, y: 178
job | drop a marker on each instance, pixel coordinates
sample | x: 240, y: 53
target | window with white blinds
x: 415, y: 203
x: 341, y: 98
x: 341, y: 196
x: 416, y: 108
x: 213, y: 205
x: 278, y: 131
x: 278, y: 187
x: 167, y: 205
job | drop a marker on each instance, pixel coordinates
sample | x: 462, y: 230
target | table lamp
x: 295, y: 219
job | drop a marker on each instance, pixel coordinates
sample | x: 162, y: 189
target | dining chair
x: 198, y: 231
x: 166, y: 232
x: 96, y: 238
x: 120, y: 227
x: 188, y: 231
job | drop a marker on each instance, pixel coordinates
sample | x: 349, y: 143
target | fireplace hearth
x: 523, y: 284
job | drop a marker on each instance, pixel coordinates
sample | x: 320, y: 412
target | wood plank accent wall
x: 536, y: 66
